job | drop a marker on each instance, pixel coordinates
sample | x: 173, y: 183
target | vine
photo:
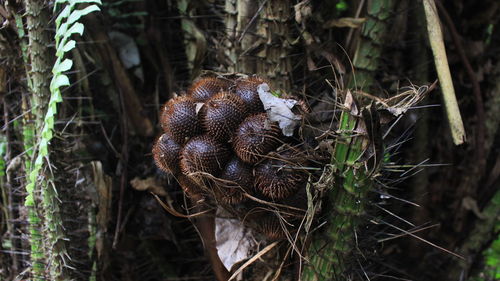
x: 49, y: 238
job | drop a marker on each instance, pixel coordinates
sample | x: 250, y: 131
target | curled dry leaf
x: 103, y: 185
x: 148, y: 184
x: 303, y: 10
x: 279, y: 110
x: 345, y: 22
x: 234, y: 241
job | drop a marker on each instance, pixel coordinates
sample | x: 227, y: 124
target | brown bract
x: 205, y: 88
x: 255, y: 137
x: 166, y: 154
x: 180, y: 120
x: 222, y: 114
x: 203, y: 154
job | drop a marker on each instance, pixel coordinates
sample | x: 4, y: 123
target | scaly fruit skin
x: 221, y: 115
x: 267, y: 222
x: 205, y: 88
x: 203, y: 154
x: 166, y: 154
x: 180, y: 120
x: 235, y: 180
x: 256, y: 137
x: 275, y: 181
x: 256, y: 163
x: 281, y: 174
x: 270, y: 226
x: 246, y: 89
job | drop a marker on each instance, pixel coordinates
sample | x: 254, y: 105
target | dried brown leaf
x: 148, y: 184
x: 345, y: 22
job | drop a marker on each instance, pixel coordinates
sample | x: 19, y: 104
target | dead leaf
x: 345, y: 22
x: 148, y: 184
x: 103, y: 184
x: 303, y: 11
x: 470, y: 204
x: 350, y: 104
x: 235, y: 242
x: 279, y: 110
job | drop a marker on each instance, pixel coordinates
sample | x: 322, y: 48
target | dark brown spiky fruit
x: 203, y: 154
x: 180, y: 120
x: 280, y: 178
x: 221, y: 115
x: 268, y: 223
x: 234, y: 181
x: 246, y: 89
x: 166, y: 154
x: 255, y: 137
x: 205, y: 88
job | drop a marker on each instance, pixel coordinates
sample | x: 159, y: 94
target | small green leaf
x: 49, y: 114
x: 57, y: 95
x: 39, y: 159
x: 75, y: 28
x: 69, y: 46
x: 63, y: 14
x: 53, y: 106
x: 28, y: 201
x: 60, y: 32
x: 63, y: 66
x: 32, y: 178
x: 43, y: 149
x: 341, y: 6
x: 74, y: 2
x: 76, y: 15
x: 48, y: 134
x: 59, y: 81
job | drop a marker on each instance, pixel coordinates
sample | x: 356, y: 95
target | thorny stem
x: 39, y: 77
x: 124, y: 163
x: 328, y: 253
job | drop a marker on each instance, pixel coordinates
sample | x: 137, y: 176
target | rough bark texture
x: 258, y: 39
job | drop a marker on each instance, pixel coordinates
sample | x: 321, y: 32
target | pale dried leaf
x: 345, y: 22
x: 303, y: 11
x: 470, y: 204
x: 279, y: 110
x: 148, y: 184
x: 103, y: 184
x: 235, y: 242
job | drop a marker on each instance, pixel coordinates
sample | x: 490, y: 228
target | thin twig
x: 423, y: 240
x: 173, y: 212
x: 404, y: 234
x: 253, y: 259
x: 124, y: 163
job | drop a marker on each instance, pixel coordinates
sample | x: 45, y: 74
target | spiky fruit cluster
x: 218, y: 142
